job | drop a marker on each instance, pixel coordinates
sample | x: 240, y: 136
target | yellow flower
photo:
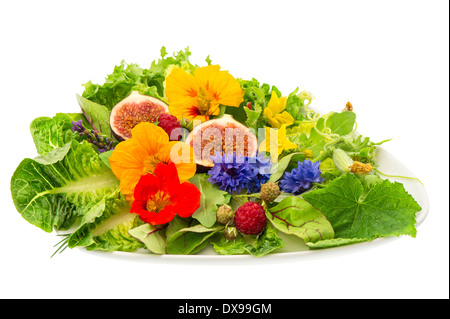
x: 275, y: 142
x: 198, y: 96
x: 275, y: 112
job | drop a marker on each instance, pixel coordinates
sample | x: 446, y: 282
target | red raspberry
x: 168, y: 123
x: 250, y: 218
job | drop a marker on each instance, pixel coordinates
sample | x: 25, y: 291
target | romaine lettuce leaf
x: 106, y: 227
x: 55, y: 196
x: 51, y: 133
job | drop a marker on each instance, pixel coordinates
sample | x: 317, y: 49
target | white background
x: 388, y: 58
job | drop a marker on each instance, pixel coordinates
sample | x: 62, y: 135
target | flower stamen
x: 156, y: 202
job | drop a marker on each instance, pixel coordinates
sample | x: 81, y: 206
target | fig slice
x: 224, y: 135
x: 132, y: 110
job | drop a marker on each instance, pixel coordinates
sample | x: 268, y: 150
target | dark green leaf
x: 386, y: 209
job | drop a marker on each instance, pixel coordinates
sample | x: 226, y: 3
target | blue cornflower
x: 230, y: 172
x: 301, y: 178
x: 233, y: 173
x: 260, y: 165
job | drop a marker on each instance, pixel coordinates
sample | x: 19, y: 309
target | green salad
x: 177, y: 157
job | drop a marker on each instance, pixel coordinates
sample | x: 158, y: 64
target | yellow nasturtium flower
x: 275, y: 112
x: 198, y: 96
x: 276, y: 142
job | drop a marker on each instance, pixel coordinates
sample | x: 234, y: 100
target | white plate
x: 294, y: 246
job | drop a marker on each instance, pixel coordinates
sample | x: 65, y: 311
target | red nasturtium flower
x: 159, y: 197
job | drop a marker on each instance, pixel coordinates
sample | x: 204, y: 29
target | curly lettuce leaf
x: 116, y: 87
x: 258, y: 246
x: 258, y: 95
x: 266, y: 242
x: 131, y: 77
x: 295, y: 104
x: 359, y: 148
x: 224, y: 246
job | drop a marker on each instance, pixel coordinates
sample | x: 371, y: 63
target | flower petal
x: 275, y: 103
x: 284, y: 118
x: 183, y: 156
x: 184, y: 107
x: 126, y: 155
x: 180, y: 84
x: 139, y: 207
x: 148, y: 185
x: 221, y: 84
x: 186, y: 199
x: 167, y: 176
x: 149, y: 137
x: 160, y: 218
x: 128, y: 182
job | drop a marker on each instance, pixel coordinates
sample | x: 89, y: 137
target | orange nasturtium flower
x: 148, y: 146
x: 159, y: 197
x: 198, y: 96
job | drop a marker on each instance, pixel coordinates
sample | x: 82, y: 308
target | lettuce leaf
x: 56, y: 195
x: 131, y: 77
x: 107, y: 227
x: 51, y: 133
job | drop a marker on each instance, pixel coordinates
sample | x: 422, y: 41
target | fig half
x: 224, y: 135
x: 132, y: 110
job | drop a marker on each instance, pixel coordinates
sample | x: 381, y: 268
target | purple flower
x: 100, y: 142
x: 300, y: 179
x: 233, y: 173
x: 78, y: 126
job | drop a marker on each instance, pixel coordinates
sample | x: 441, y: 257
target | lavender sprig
x: 103, y: 144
